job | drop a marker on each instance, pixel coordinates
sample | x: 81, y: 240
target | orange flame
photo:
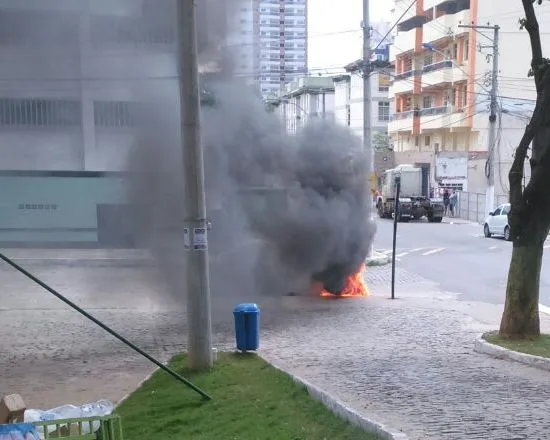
x: 355, y: 287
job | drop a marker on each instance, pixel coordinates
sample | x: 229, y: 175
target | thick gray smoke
x: 285, y: 210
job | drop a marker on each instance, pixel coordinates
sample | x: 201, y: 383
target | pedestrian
x: 453, y: 202
x: 446, y: 201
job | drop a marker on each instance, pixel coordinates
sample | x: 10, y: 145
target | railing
x: 437, y: 66
x: 406, y: 75
x: 471, y: 206
x: 435, y: 111
x: 402, y: 115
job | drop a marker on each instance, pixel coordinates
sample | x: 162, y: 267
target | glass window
x: 497, y: 212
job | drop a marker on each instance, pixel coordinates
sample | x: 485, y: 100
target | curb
x: 341, y: 410
x: 498, y: 352
x: 377, y: 259
x: 139, y: 385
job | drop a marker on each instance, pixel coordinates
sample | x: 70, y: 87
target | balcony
x: 443, y: 72
x: 434, y: 30
x: 446, y: 117
x: 401, y: 122
x: 404, y: 42
x: 403, y: 82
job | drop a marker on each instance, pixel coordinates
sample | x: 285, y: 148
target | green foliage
x: 380, y: 141
x: 251, y: 400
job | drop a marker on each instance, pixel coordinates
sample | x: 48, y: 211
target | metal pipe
x: 105, y: 327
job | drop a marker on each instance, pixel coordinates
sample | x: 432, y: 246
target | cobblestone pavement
x: 408, y: 363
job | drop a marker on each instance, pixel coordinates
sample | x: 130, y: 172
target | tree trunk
x: 520, y: 319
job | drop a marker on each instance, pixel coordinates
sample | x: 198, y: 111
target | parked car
x: 497, y: 222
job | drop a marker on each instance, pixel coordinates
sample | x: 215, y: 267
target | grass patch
x: 537, y: 347
x: 251, y: 400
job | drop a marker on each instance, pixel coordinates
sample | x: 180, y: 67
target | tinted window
x: 497, y: 212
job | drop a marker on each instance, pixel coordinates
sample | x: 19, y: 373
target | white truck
x: 414, y: 200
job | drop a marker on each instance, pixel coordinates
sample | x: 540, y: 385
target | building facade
x: 442, y: 80
x: 307, y: 98
x: 77, y: 75
x: 348, y: 105
x: 269, y: 40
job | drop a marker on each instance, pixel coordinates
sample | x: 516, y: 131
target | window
x: 427, y: 140
x: 455, y: 51
x: 383, y: 82
x: 428, y: 60
x: 115, y: 114
x: 416, y: 141
x: 39, y: 113
x: 465, y: 96
x: 466, y: 48
x: 427, y: 102
x: 383, y: 111
x: 505, y: 210
x: 497, y: 212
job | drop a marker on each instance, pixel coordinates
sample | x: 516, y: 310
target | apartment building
x: 76, y: 75
x: 269, y: 42
x: 441, y: 83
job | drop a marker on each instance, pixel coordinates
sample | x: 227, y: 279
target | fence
x: 471, y: 206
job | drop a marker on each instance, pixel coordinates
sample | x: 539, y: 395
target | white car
x: 497, y: 222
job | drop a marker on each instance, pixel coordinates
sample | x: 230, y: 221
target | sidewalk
x: 409, y: 363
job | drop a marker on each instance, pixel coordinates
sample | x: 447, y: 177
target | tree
x: 529, y: 217
x: 380, y: 141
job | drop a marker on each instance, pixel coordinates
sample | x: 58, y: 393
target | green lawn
x: 537, y: 347
x: 251, y: 400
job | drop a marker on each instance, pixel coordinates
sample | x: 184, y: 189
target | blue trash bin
x: 247, y: 326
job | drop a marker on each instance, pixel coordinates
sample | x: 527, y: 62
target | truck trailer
x: 413, y: 202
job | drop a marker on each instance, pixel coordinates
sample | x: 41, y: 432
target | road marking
x: 417, y: 250
x: 433, y: 251
x: 386, y: 251
x: 544, y: 309
x: 402, y: 254
x: 493, y: 248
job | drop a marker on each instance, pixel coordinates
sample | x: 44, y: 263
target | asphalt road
x: 458, y: 257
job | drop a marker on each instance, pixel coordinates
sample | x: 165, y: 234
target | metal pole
x: 103, y: 326
x: 490, y: 172
x: 367, y: 106
x: 395, y: 220
x: 194, y: 203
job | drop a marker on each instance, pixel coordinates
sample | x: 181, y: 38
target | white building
x: 441, y: 84
x: 348, y: 105
x: 306, y: 98
x: 76, y: 74
x: 269, y: 40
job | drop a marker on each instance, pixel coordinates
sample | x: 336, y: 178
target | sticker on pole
x: 199, y: 239
x: 186, y: 239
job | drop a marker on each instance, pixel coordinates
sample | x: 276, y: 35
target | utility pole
x: 367, y: 107
x: 491, y: 147
x: 194, y: 201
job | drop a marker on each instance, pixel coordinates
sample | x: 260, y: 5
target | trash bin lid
x: 247, y: 307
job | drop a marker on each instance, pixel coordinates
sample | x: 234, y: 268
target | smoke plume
x: 286, y: 210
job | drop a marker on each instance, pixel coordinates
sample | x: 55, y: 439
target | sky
x: 335, y: 37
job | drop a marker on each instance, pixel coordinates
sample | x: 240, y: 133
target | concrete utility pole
x: 491, y: 147
x: 367, y: 106
x: 194, y: 202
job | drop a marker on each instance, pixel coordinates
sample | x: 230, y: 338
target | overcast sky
x: 335, y: 37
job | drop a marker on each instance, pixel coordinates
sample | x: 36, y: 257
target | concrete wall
x: 60, y: 207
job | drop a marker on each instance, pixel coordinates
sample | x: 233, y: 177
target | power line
x: 395, y: 25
